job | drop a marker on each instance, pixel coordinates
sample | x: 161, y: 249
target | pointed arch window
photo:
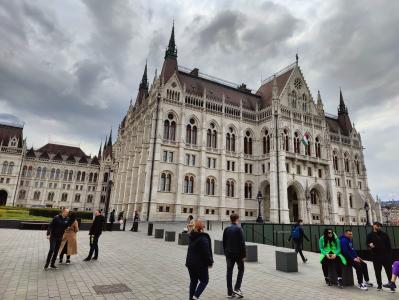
x: 189, y: 184
x: 230, y: 188
x: 357, y: 165
x: 52, y: 173
x: 313, y: 197
x: 248, y: 142
x: 211, y: 136
x: 36, y: 195
x: 210, y: 186
x: 24, y: 170
x: 191, y: 132
x: 83, y: 176
x: 38, y: 172
x: 248, y: 190
x: 169, y: 130
x: 286, y: 140
x: 44, y: 171
x: 50, y: 196
x: 57, y: 174
x: 165, y: 182
x: 21, y: 194
x: 79, y: 174
x: 10, y: 168
x: 304, y: 103
x: 231, y: 140
x: 335, y: 160
x: 317, y: 147
x: 266, y: 142
x: 30, y: 171
x: 70, y: 175
x: 296, y: 142
x: 5, y: 167
x: 307, y: 143
x: 346, y: 162
x: 95, y: 177
x: 91, y: 177
x: 293, y: 99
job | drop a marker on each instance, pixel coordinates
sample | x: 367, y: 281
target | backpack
x: 296, y: 233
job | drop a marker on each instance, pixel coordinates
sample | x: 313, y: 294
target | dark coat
x: 234, y: 242
x: 381, y: 242
x: 347, y: 249
x: 112, y: 217
x: 97, y: 225
x: 301, y: 235
x: 57, y: 227
x: 199, y: 253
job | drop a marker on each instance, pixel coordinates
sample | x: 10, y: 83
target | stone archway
x: 3, y: 197
x: 265, y: 189
x: 296, y: 201
x: 319, y: 205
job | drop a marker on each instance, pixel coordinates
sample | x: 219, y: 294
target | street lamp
x: 367, y: 208
x: 386, y: 214
x: 260, y: 198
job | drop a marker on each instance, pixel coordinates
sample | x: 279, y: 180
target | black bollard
x: 150, y: 227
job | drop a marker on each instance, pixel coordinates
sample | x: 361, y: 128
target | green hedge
x: 51, y: 212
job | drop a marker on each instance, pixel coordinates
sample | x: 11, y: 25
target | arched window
x: 79, y: 174
x: 83, y: 176
x: 36, y: 195
x: 230, y: 188
x: 169, y: 130
x: 95, y: 177
x: 189, y: 184
x: 64, y: 197
x: 266, y: 142
x: 286, y: 140
x: 24, y: 170
x: 231, y: 140
x: 38, y: 172
x: 105, y: 177
x: 248, y: 142
x: 52, y: 173
x: 10, y: 168
x: 317, y: 147
x: 357, y: 165
x: 335, y: 160
x: 91, y: 177
x: 13, y: 142
x: 5, y: 167
x: 191, y: 132
x: 90, y: 198
x: 211, y: 136
x: 21, y: 194
x: 50, y: 196
x: 293, y: 99
x: 248, y: 190
x: 339, y: 198
x: 162, y: 182
x: 57, y: 174
x: 313, y: 197
x: 168, y: 182
x: 307, y: 143
x: 70, y: 176
x: 30, y: 171
x: 350, y: 201
x: 210, y: 186
x: 77, y: 198
x: 44, y: 172
x: 346, y: 162
x: 304, y: 103
x: 296, y: 142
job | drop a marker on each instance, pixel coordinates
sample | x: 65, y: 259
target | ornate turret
x: 143, y: 88
x: 108, y: 147
x: 343, y: 116
x: 319, y: 104
x: 99, y: 151
x: 170, y: 63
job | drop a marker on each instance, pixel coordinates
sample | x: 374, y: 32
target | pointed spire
x: 296, y: 57
x: 144, y: 80
x: 99, y: 150
x: 274, y: 88
x: 105, y: 142
x: 110, y: 139
x: 342, y: 109
x: 155, y: 76
x: 171, y: 51
x: 319, y: 102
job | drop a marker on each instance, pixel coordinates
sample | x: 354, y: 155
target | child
x: 395, y: 274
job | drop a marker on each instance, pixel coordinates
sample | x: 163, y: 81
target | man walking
x: 112, y: 219
x: 55, y: 232
x: 234, y: 250
x: 95, y: 231
x: 297, y: 235
x: 354, y: 260
x: 380, y: 246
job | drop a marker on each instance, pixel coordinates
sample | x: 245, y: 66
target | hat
x: 377, y: 223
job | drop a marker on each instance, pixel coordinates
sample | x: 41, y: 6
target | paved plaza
x: 151, y: 269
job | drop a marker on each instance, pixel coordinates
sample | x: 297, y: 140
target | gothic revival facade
x: 192, y: 144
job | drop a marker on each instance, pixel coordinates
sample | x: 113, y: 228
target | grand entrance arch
x: 295, y: 196
x: 319, y: 205
x: 265, y: 190
x: 3, y: 197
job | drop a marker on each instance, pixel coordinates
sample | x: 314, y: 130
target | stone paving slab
x: 152, y: 269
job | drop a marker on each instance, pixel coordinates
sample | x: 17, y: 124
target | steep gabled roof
x: 62, y: 149
x: 334, y: 126
x: 215, y: 90
x: 83, y: 160
x: 44, y: 155
x: 71, y: 158
x: 7, y: 132
x: 57, y: 157
x: 30, y: 153
x: 95, y: 161
x: 266, y: 89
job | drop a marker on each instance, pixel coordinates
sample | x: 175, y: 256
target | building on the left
x: 53, y: 175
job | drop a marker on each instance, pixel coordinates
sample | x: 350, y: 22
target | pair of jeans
x: 337, y: 264
x: 55, y: 244
x: 231, y: 261
x: 298, y: 245
x: 93, y: 246
x: 379, y: 262
x: 64, y: 251
x: 200, y: 275
x: 361, y: 270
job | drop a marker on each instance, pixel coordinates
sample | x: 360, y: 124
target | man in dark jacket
x: 95, y: 231
x: 112, y: 219
x: 380, y: 246
x: 297, y: 235
x: 354, y: 260
x: 55, y: 232
x: 235, y: 252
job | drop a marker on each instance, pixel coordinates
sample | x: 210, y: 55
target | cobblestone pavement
x: 152, y: 269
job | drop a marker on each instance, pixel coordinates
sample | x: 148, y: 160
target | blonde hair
x: 199, y: 225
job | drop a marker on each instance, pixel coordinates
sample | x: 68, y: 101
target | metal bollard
x: 150, y: 227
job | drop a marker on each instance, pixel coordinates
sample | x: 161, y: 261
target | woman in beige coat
x: 69, y: 244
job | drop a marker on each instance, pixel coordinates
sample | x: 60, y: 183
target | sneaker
x: 392, y: 286
x: 340, y: 283
x: 387, y: 285
x: 53, y: 267
x: 379, y: 288
x: 60, y: 261
x: 368, y: 284
x: 362, y: 286
x: 68, y: 262
x: 238, y: 293
x: 86, y: 259
x: 304, y: 261
x: 328, y: 282
x: 231, y: 296
x: 95, y: 258
x: 45, y: 268
x: 195, y: 298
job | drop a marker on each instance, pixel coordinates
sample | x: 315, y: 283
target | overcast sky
x: 68, y: 69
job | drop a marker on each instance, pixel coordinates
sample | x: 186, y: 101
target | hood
x: 195, y: 236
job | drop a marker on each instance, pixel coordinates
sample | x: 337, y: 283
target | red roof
x: 62, y: 149
x: 7, y: 132
x: 266, y: 90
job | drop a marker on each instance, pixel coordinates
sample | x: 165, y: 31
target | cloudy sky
x: 68, y: 69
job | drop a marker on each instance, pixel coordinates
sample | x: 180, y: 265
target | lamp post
x: 367, y: 208
x: 386, y: 214
x: 260, y: 198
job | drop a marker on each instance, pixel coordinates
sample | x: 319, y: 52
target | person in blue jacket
x: 354, y: 260
x: 297, y: 235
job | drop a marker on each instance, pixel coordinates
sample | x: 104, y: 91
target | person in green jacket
x: 330, y: 253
